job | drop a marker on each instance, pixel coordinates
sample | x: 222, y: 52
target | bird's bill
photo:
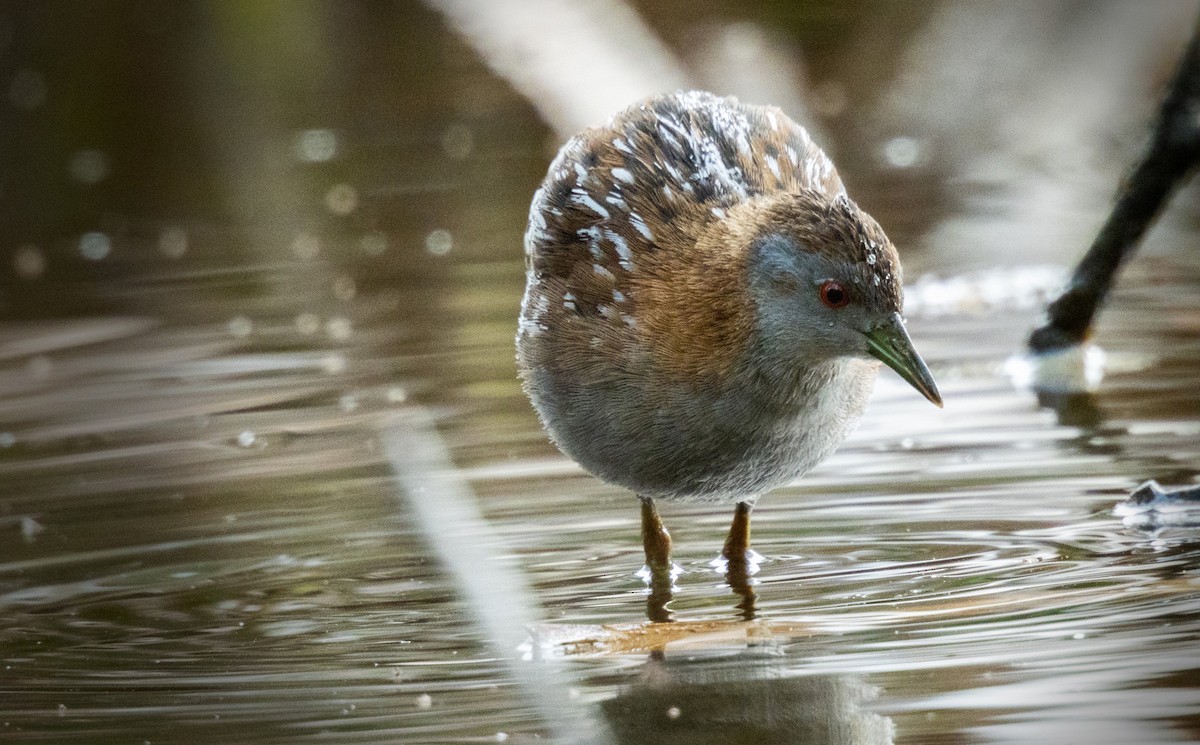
x: 890, y: 343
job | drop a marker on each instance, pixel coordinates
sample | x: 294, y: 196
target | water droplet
x: 673, y: 712
x: 306, y: 246
x: 7, y: 439
x: 247, y: 439
x: 902, y: 152
x: 338, y: 328
x: 439, y: 242
x: 88, y: 167
x: 30, y: 528
x: 240, y: 326
x: 94, y: 246
x: 424, y: 701
x: 341, y: 199
x: 173, y: 242
x: 397, y: 395
x: 316, y: 145
x: 29, y: 262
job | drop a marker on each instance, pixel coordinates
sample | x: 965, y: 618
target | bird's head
x: 825, y: 283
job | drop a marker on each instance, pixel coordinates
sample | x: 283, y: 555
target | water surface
x: 208, y: 535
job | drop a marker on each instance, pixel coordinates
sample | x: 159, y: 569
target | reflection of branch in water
x: 1173, y: 153
x: 1073, y: 409
x: 497, y: 597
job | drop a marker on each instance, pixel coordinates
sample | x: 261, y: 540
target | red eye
x: 834, y: 294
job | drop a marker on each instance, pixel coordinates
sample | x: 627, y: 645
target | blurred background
x: 239, y: 240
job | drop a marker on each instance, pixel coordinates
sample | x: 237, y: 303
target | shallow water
x: 236, y: 486
x: 219, y: 553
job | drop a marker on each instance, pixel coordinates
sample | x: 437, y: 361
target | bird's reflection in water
x: 739, y: 574
x: 746, y: 697
x: 1073, y: 408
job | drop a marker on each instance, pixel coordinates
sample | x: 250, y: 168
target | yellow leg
x: 738, y: 541
x: 737, y: 563
x: 655, y: 538
x: 657, y: 543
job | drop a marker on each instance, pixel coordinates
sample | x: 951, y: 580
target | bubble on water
x: 501, y: 737
x: 424, y: 701
x: 62, y: 710
x: 29, y: 262
x: 306, y: 246
x: 173, y: 242
x: 240, y: 326
x: 338, y: 328
x: 88, y: 167
x: 902, y: 152
x: 348, y: 403
x: 341, y: 199
x: 308, y: 323
x: 458, y: 141
x: 27, y: 89
x: 247, y: 439
x: 344, y: 288
x: 396, y: 395
x: 373, y: 243
x: 94, y: 246
x: 316, y: 145
x: 673, y: 712
x: 7, y: 439
x: 439, y: 242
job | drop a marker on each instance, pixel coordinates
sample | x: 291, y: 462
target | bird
x: 705, y: 308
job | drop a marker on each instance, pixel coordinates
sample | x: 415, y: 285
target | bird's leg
x: 655, y: 538
x: 656, y: 542
x: 738, y: 564
x: 738, y: 541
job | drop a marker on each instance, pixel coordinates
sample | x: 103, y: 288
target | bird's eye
x: 834, y: 294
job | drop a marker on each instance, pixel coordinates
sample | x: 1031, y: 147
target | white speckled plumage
x: 650, y: 341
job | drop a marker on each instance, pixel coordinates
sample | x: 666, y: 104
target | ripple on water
x: 961, y: 564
